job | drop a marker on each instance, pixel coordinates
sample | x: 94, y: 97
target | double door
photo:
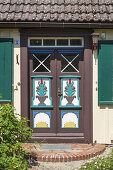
x: 56, y: 88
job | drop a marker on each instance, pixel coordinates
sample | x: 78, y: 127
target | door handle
x: 59, y: 93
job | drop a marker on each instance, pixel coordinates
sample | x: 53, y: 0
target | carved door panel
x: 56, y: 92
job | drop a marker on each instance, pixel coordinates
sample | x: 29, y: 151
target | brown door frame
x: 87, y: 136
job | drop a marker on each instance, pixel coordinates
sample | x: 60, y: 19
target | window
x: 70, y: 62
x: 41, y: 62
x: 56, y: 42
x: 62, y: 42
x: 36, y: 42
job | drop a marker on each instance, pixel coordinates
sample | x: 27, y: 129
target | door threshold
x: 58, y: 134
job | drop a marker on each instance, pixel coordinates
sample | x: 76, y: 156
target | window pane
x: 62, y: 42
x: 37, y: 66
x: 49, y: 42
x: 66, y: 59
x: 75, y: 42
x: 35, y: 42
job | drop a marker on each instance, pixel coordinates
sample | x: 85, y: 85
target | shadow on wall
x: 106, y: 107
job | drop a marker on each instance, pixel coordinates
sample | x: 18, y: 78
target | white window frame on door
x: 56, y: 38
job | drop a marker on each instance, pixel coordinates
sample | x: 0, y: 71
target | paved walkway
x: 77, y: 152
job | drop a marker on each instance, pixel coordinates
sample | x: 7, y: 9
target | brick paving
x: 78, y: 152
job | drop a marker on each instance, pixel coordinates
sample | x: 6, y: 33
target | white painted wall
x: 14, y: 33
x: 102, y: 115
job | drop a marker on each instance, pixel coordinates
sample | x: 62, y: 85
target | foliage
x: 13, y: 157
x: 41, y: 89
x: 70, y: 89
x: 0, y: 95
x: 100, y: 163
x: 13, y: 132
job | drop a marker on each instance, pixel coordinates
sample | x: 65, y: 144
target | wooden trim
x: 59, y: 134
x: 88, y: 90
x: 56, y: 139
x: 24, y: 75
x: 87, y: 78
x: 58, y: 32
x: 55, y: 25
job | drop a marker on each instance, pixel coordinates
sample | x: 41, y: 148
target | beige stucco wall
x: 14, y: 33
x: 102, y: 115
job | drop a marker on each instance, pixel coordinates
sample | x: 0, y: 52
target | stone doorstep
x: 66, y: 156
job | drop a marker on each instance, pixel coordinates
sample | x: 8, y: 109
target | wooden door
x: 56, y: 93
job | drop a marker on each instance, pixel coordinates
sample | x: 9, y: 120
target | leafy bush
x: 100, y: 163
x: 13, y: 132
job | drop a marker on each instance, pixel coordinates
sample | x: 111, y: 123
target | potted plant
x: 70, y: 91
x: 41, y: 91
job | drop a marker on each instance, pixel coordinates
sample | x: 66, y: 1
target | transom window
x: 56, y: 42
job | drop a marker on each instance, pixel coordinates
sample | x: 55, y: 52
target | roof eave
x: 54, y: 24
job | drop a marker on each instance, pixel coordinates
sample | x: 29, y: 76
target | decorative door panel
x: 41, y: 91
x: 69, y: 92
x: 69, y: 119
x: 41, y: 119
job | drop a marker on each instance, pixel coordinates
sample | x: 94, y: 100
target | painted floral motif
x: 70, y: 89
x: 41, y: 89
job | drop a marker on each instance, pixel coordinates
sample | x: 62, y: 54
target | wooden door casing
x: 87, y: 68
x: 55, y: 67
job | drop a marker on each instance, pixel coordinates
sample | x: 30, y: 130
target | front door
x: 56, y: 83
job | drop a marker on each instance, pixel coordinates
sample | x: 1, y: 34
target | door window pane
x: 74, y: 42
x: 49, y: 42
x: 41, y: 62
x: 70, y: 62
x: 62, y: 42
x: 35, y: 42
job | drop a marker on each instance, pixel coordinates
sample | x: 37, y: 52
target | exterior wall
x: 14, y: 33
x: 102, y: 115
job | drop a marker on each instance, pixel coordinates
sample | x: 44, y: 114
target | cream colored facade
x: 14, y: 33
x: 102, y: 115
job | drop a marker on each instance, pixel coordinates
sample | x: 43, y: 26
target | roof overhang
x: 54, y: 24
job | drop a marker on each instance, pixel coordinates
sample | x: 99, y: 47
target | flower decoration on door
x: 70, y: 91
x: 41, y: 91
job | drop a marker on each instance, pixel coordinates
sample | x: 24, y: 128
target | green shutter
x: 105, y: 73
x: 6, y: 61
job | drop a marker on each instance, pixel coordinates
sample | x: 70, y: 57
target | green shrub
x: 14, y: 131
x: 100, y: 163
